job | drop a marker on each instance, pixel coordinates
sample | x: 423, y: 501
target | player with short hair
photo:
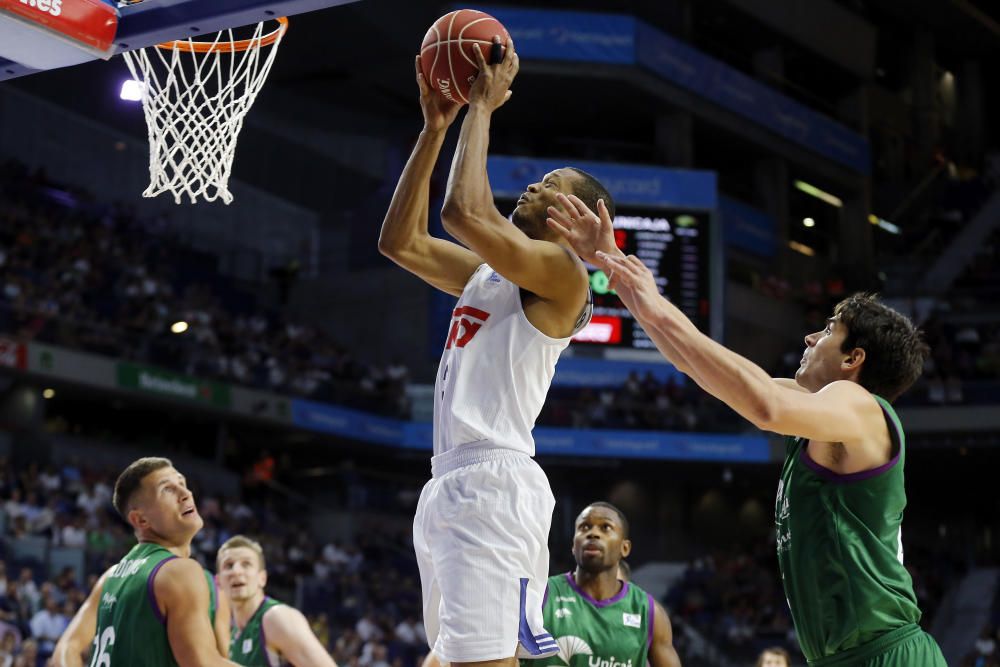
x: 154, y: 608
x: 481, y: 526
x: 595, y: 615
x: 841, y: 496
x: 265, y: 632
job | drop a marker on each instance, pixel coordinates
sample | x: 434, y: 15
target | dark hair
x: 776, y: 650
x: 589, y: 190
x: 621, y: 515
x: 895, y: 350
x: 131, y: 479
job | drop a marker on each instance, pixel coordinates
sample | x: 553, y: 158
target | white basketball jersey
x: 495, y: 370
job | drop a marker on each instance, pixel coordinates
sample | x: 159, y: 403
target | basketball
x: 446, y: 56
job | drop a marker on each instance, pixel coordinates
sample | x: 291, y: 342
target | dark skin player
x: 600, y: 543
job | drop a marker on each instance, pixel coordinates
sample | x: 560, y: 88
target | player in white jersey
x: 482, y: 522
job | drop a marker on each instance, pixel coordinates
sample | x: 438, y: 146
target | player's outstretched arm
x: 470, y: 214
x: 183, y: 597
x: 662, y: 652
x: 404, y: 238
x: 79, y: 634
x: 287, y: 629
x: 840, y: 412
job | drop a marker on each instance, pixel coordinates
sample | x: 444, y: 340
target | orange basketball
x: 446, y: 56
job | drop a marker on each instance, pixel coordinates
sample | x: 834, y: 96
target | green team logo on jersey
x: 570, y: 646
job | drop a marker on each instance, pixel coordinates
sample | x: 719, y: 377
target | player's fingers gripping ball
x: 447, y: 58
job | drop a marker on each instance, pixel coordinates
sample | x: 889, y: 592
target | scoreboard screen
x: 676, y: 246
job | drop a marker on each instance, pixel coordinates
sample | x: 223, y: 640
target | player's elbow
x: 766, y: 413
x: 388, y: 246
x: 393, y: 244
x: 456, y: 214
x: 760, y: 407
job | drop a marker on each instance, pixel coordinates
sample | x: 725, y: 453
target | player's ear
x: 626, y: 548
x: 853, y: 360
x: 136, y: 519
x: 263, y: 578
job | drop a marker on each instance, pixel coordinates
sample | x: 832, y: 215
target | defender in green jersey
x: 598, y: 619
x: 265, y: 632
x: 841, y: 498
x: 154, y: 607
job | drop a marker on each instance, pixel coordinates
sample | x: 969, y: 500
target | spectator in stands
x: 985, y: 652
x: 47, y: 625
x: 27, y: 590
x: 8, y: 646
x: 774, y: 657
x: 92, y: 276
x: 28, y: 655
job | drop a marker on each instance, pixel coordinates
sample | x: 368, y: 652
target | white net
x: 195, y: 96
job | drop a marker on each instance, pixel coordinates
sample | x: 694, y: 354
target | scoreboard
x: 675, y: 245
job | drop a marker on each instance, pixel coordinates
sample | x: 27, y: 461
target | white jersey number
x: 102, y: 644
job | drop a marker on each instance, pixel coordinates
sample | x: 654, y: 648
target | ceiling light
x: 822, y: 195
x: 801, y: 248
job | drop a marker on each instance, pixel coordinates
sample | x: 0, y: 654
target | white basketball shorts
x: 481, y: 537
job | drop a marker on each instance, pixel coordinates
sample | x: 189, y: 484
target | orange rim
x: 192, y: 46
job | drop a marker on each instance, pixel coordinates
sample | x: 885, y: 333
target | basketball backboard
x: 38, y: 35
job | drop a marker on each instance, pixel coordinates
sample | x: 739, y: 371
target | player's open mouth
x: 522, y: 200
x: 188, y: 512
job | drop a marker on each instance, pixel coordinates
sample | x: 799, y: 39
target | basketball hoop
x: 195, y: 96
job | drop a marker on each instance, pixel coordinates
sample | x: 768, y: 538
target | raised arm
x: 288, y: 630
x: 79, y: 634
x: 404, y: 238
x: 183, y: 596
x: 470, y: 214
x: 841, y: 412
x: 661, y: 651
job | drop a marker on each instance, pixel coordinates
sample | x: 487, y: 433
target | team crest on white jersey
x: 494, y: 278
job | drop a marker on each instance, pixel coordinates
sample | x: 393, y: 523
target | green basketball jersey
x: 616, y: 632
x: 130, y: 628
x: 840, y: 549
x: 249, y: 646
